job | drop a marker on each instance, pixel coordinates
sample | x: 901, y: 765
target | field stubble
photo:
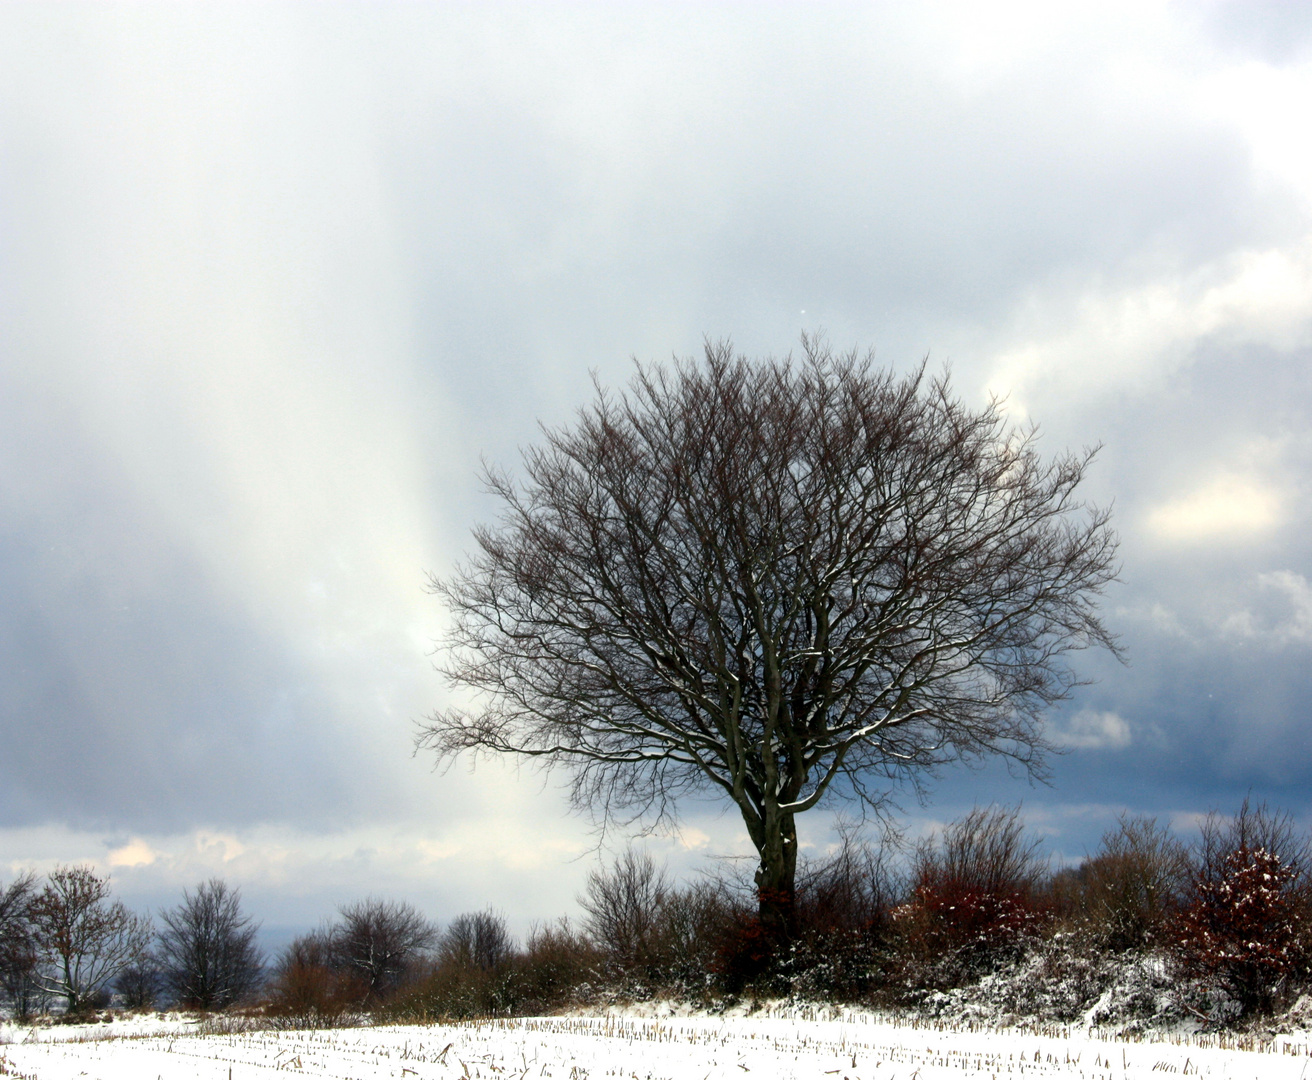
x: 801, y: 1044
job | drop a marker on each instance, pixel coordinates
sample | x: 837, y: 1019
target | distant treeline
x: 973, y: 922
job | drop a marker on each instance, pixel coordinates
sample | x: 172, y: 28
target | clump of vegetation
x: 1246, y: 929
x: 975, y: 900
x: 1126, y: 898
x: 970, y: 923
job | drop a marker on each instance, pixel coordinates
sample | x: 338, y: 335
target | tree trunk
x: 776, y: 880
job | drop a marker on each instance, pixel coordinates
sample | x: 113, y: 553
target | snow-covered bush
x: 1065, y: 980
x: 1245, y: 932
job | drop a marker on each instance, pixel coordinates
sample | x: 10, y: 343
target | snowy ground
x: 576, y: 1048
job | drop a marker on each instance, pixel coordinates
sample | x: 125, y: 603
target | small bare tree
x: 377, y: 940
x: 777, y: 582
x: 973, y: 898
x: 984, y: 852
x: 477, y: 940
x: 207, y: 948
x: 82, y: 939
x: 1253, y: 827
x: 138, y: 985
x: 854, y: 888
x: 625, y: 907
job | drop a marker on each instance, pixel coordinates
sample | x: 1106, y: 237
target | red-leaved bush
x: 1245, y: 930
x: 975, y: 900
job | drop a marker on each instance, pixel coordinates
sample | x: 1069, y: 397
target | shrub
x: 1128, y: 894
x: 691, y: 926
x: 746, y: 954
x: 310, y: 989
x: 624, y: 906
x: 138, y: 986
x: 451, y: 992
x: 1245, y: 930
x: 975, y: 900
x: 844, y: 907
x: 472, y: 976
x: 559, y: 967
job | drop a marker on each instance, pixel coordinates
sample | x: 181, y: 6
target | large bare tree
x: 776, y: 580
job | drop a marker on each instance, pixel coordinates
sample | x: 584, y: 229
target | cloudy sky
x: 274, y: 278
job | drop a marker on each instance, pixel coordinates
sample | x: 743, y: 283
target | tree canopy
x: 775, y: 580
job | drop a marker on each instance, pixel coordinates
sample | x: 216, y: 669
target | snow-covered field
x: 575, y: 1048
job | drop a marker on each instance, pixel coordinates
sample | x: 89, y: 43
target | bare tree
x: 82, y: 939
x: 207, y: 948
x: 625, y: 905
x: 15, y: 900
x: 377, y: 940
x: 477, y: 939
x: 17, y: 945
x: 778, y: 582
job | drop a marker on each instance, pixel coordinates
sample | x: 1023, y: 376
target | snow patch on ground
x: 114, y: 1025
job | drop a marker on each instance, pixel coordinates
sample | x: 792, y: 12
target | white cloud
x: 1130, y: 326
x: 691, y: 839
x: 1226, y: 507
x: 208, y: 846
x: 1091, y: 730
x: 135, y: 852
x: 1281, y: 614
x: 1266, y: 102
x: 1097, y: 339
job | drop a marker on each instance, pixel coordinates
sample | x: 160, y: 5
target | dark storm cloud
x: 1218, y: 691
